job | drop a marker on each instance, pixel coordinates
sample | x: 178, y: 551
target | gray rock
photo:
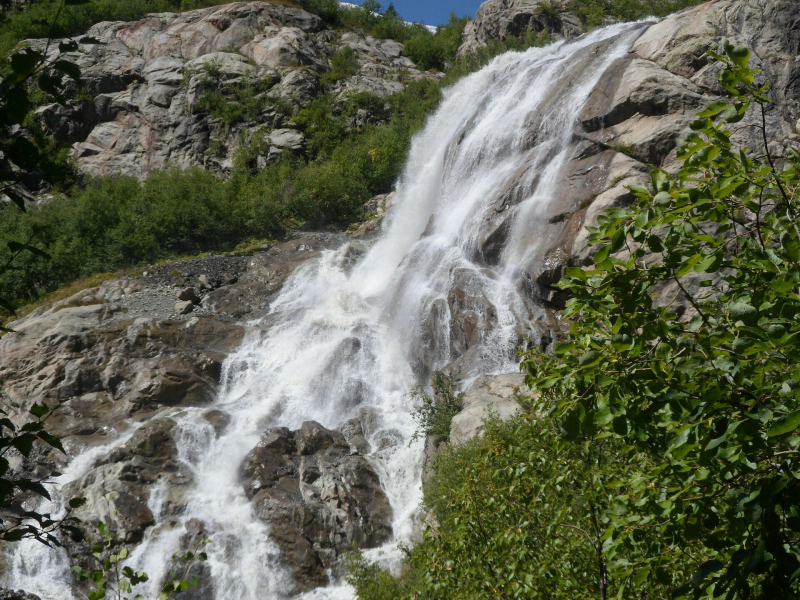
x: 184, y: 307
x: 491, y: 395
x: 318, y: 499
x: 189, y: 295
x: 501, y: 19
x: 205, y: 284
x: 6, y: 594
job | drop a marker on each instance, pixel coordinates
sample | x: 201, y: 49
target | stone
x: 184, y: 308
x: 375, y: 208
x: 319, y: 499
x: 489, y: 395
x: 6, y: 594
x: 353, y: 432
x: 205, y: 284
x: 189, y: 295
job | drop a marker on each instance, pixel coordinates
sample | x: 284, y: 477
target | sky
x: 431, y: 12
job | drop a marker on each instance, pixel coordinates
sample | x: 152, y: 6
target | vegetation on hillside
x: 661, y: 458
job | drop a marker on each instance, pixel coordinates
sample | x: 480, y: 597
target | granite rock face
x: 319, y: 496
x: 143, y: 84
x: 503, y: 19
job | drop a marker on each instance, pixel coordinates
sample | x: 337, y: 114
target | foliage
x: 435, y: 411
x: 710, y: 395
x: 437, y: 51
x: 241, y: 101
x: 592, y: 12
x: 343, y: 64
x: 27, y: 72
x: 112, y: 578
x: 18, y: 524
x: 515, y: 514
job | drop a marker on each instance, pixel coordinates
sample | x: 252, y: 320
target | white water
x: 343, y: 340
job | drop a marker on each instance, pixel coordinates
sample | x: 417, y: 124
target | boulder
x: 189, y: 295
x: 184, y: 308
x: 494, y: 395
x: 319, y: 498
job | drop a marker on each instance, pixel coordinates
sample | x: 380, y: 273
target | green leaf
x: 70, y: 69
x: 786, y: 425
x: 39, y: 410
x: 592, y: 357
x: 742, y: 311
x: 25, y: 61
x: 706, y: 569
x: 77, y: 502
x: 714, y: 109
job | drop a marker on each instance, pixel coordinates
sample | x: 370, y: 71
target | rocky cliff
x: 140, y: 105
x: 124, y: 359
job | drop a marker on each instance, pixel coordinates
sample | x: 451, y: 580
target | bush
x: 343, y: 64
x: 435, y: 411
x: 436, y: 51
x: 244, y: 101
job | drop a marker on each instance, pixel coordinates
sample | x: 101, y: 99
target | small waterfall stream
x: 344, y: 338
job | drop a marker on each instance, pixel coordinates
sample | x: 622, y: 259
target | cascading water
x: 343, y: 340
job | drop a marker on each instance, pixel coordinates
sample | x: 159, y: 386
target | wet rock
x: 318, y: 498
x: 118, y: 485
x: 217, y: 419
x: 353, y: 432
x: 6, y: 594
x: 375, y: 211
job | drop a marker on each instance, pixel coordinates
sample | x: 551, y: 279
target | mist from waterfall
x: 350, y: 338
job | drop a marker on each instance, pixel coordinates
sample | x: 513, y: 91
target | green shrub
x: 511, y: 515
x: 435, y: 411
x: 436, y: 51
x: 343, y: 64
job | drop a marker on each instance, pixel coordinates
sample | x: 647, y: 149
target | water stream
x: 344, y: 338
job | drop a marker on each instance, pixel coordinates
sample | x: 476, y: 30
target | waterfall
x: 347, y: 338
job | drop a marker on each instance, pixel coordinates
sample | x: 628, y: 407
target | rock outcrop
x: 140, y: 106
x: 319, y: 496
x: 516, y: 19
x: 494, y: 396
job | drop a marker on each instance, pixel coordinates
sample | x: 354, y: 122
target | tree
x: 28, y: 69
